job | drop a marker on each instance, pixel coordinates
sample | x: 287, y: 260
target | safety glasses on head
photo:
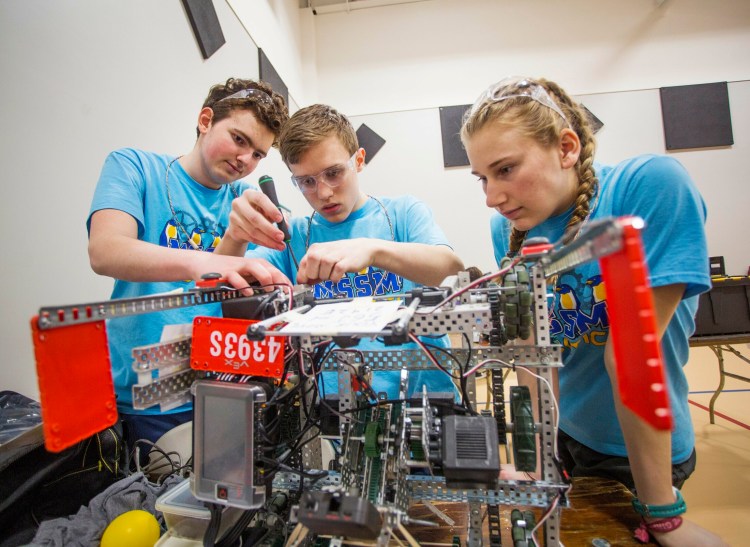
x: 515, y: 87
x: 332, y: 176
x: 251, y: 92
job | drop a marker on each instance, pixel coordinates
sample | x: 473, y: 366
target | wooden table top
x: 599, y: 509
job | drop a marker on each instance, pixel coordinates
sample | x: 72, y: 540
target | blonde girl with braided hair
x: 532, y: 148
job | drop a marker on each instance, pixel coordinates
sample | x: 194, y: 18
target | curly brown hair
x: 272, y: 113
x: 541, y: 123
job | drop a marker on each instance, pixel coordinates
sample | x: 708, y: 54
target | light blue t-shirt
x: 659, y: 190
x: 412, y: 222
x: 134, y: 181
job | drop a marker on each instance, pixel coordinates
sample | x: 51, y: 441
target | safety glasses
x: 511, y: 88
x: 332, y: 176
x: 250, y: 92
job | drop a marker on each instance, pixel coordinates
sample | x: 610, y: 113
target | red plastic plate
x: 75, y: 382
x: 221, y: 345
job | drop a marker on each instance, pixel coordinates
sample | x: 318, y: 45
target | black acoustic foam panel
x: 370, y: 141
x: 454, y: 154
x: 696, y: 116
x: 596, y: 123
x: 206, y: 27
x: 269, y: 75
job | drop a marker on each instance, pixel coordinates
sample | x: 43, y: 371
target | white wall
x: 79, y: 79
x: 444, y: 52
x: 287, y: 36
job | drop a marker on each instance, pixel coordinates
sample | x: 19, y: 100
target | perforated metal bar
x: 346, y: 395
x: 541, y: 313
x: 312, y: 455
x: 599, y: 239
x: 60, y: 316
x: 475, y: 524
x: 162, y: 391
x: 155, y: 356
x: 464, y: 318
x: 552, y: 528
x: 284, y: 480
x: 534, y: 494
x: 530, y: 356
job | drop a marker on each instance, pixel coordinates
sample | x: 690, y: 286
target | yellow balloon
x: 132, y: 529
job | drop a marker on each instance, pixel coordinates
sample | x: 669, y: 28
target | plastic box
x: 168, y: 540
x: 187, y: 517
x: 725, y: 309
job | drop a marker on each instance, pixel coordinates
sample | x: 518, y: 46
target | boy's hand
x: 332, y: 260
x: 252, y: 221
x: 239, y: 271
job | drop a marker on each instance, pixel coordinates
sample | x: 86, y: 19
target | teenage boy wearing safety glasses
x: 352, y: 244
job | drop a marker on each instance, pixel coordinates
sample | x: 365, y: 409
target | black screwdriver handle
x: 269, y: 189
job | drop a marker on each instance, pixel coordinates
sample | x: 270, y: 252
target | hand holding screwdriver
x: 253, y: 220
x: 269, y: 189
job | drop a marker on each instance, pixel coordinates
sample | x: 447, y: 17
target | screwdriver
x: 269, y: 189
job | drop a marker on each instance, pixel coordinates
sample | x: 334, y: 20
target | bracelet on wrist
x: 661, y: 511
x: 644, y: 532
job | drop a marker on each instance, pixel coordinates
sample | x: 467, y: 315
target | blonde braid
x: 587, y: 181
x: 517, y: 238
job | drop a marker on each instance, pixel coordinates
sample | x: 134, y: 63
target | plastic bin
x: 187, y: 517
x: 725, y: 309
x: 168, y: 540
